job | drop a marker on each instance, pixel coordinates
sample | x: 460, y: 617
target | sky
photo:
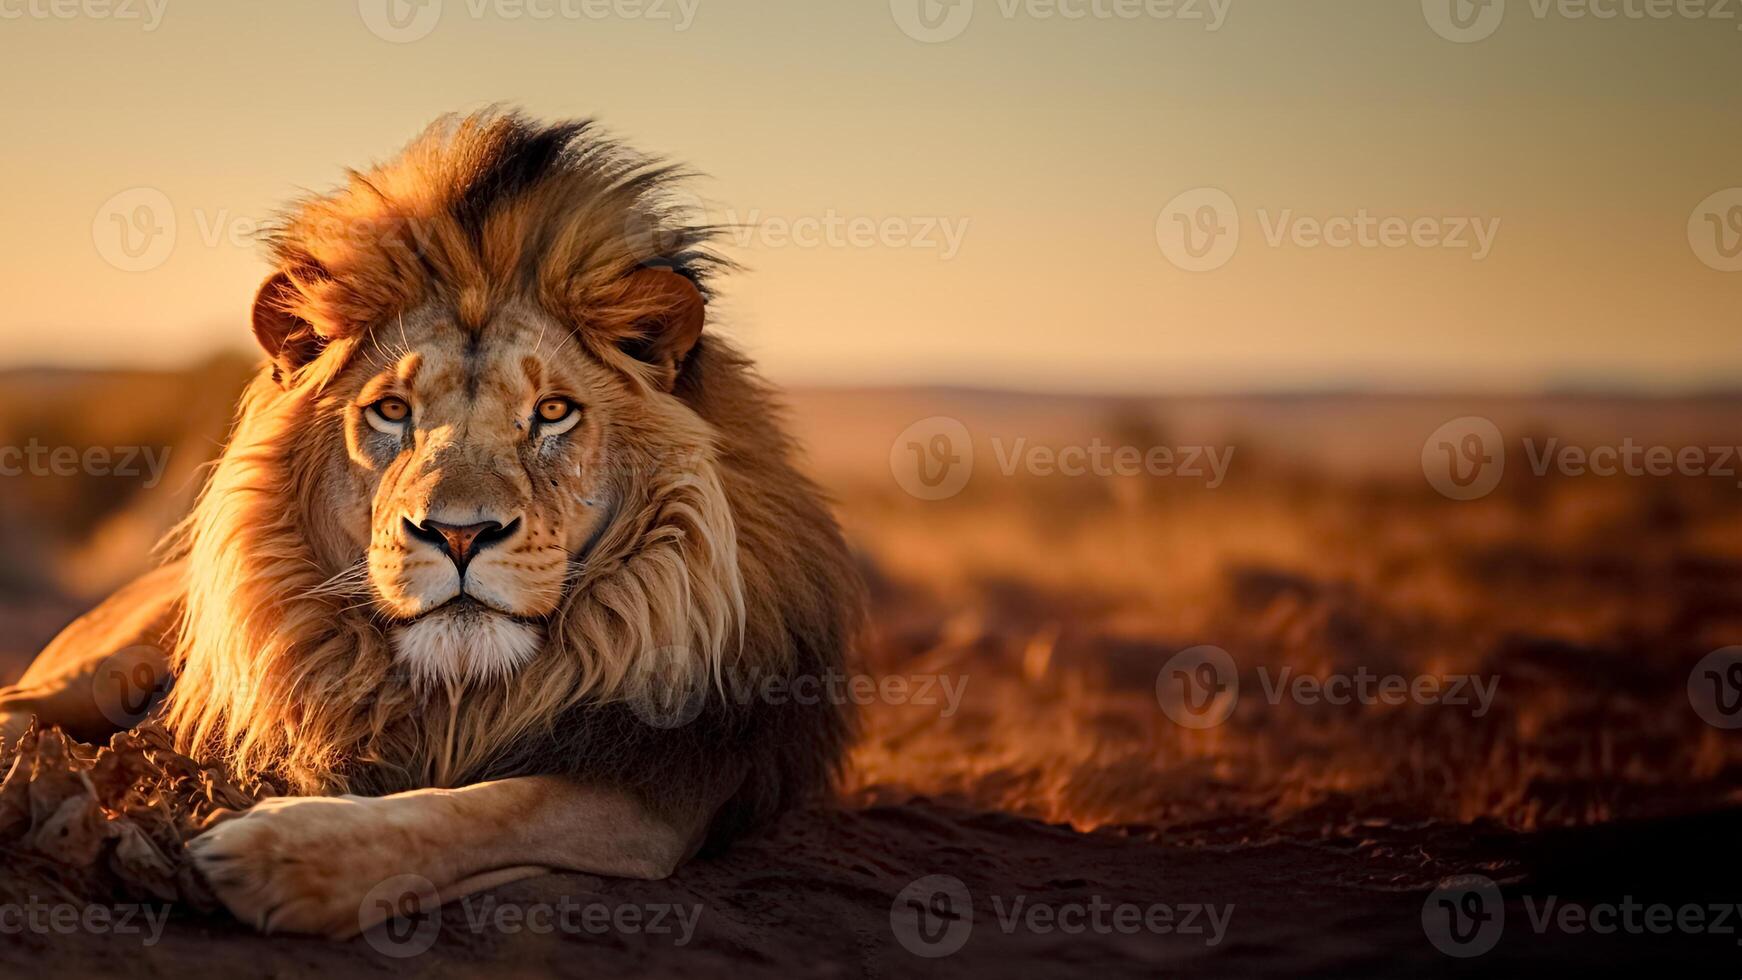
x: 1091, y: 195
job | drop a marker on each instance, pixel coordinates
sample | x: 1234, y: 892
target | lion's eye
x: 388, y: 415
x: 556, y: 416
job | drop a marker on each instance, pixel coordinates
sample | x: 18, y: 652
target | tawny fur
x: 719, y: 558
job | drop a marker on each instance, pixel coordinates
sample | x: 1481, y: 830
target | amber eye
x: 556, y: 416
x: 554, y: 409
x: 388, y: 416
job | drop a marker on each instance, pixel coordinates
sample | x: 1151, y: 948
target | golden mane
x: 722, y: 560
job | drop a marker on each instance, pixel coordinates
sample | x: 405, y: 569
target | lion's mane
x: 725, y: 565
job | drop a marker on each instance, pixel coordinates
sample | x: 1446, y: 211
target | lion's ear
x: 288, y: 339
x: 667, y: 311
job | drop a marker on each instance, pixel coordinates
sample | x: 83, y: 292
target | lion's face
x: 478, y: 472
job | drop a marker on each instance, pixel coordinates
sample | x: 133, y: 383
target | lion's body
x: 381, y: 732
x: 788, y: 550
x: 656, y: 539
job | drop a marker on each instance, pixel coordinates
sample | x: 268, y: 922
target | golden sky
x: 985, y: 192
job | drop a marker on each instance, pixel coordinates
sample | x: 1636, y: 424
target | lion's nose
x: 462, y: 543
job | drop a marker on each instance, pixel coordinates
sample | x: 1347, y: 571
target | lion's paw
x: 302, y: 865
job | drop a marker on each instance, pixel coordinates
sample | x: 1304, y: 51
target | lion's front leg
x: 309, y: 865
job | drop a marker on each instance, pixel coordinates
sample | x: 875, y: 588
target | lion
x: 504, y: 556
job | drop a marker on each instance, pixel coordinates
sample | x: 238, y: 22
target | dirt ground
x: 818, y: 898
x: 1047, y: 766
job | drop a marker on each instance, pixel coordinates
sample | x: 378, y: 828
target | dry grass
x: 1587, y: 601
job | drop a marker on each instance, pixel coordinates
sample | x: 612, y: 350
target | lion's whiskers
x: 351, y: 582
